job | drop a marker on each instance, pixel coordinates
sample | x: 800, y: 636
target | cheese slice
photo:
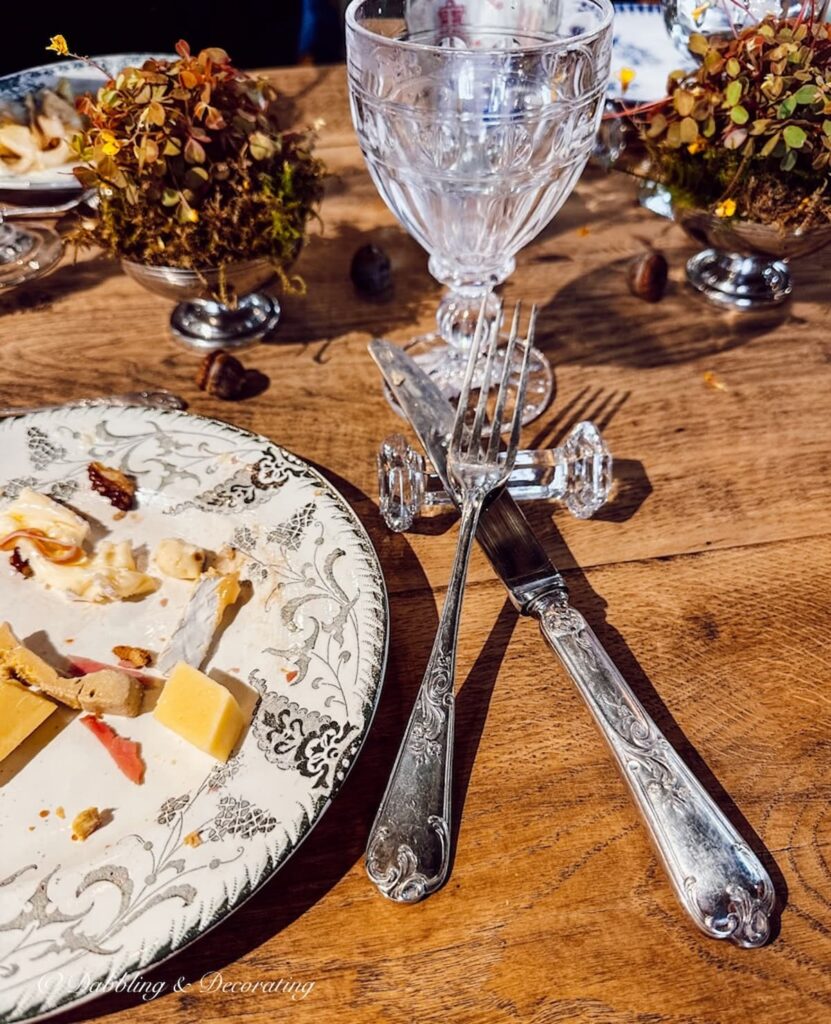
x: 201, y: 711
x: 21, y: 712
x: 8, y: 641
x: 194, y: 635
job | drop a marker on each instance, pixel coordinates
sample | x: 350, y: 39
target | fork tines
x: 467, y: 443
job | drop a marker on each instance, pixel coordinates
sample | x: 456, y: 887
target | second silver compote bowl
x: 475, y: 128
x: 745, y: 264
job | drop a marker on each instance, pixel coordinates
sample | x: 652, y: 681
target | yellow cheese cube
x: 21, y: 712
x: 25, y: 665
x: 201, y: 711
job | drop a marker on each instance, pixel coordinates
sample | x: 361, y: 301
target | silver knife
x: 717, y: 878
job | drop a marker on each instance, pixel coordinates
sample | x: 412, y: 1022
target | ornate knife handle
x: 716, y: 876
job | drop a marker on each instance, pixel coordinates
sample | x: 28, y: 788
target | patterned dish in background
x: 82, y: 78
x: 310, y: 642
x: 641, y: 43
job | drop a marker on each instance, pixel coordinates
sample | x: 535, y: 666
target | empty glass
x: 476, y: 121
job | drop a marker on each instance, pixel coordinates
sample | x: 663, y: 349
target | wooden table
x: 708, y: 578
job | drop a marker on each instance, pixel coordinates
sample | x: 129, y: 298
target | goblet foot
x: 27, y: 253
x: 446, y: 366
x: 740, y: 282
x: 209, y: 325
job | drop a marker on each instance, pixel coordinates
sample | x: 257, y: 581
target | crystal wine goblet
x: 475, y: 127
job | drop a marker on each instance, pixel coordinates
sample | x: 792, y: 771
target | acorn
x: 371, y: 271
x: 222, y: 375
x: 647, y: 276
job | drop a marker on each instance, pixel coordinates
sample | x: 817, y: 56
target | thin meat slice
x: 85, y: 666
x: 125, y: 753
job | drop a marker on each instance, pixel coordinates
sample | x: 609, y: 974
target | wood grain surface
x: 708, y: 577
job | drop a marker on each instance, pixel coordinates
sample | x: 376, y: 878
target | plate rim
x: 71, y: 1002
x: 8, y: 183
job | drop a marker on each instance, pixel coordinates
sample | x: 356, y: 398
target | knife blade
x: 717, y: 878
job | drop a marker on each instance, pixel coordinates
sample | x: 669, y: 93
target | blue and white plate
x: 641, y: 43
x: 82, y: 78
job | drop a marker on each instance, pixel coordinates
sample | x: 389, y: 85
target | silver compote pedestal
x: 476, y: 125
x: 745, y: 264
x: 200, y: 319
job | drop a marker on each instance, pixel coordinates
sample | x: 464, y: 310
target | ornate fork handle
x: 408, y: 853
x: 717, y: 878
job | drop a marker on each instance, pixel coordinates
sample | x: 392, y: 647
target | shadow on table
x: 595, y: 320
x: 332, y: 307
x: 66, y: 280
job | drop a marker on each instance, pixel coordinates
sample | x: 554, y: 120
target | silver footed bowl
x: 200, y: 320
x: 745, y: 264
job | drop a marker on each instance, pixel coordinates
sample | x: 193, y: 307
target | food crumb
x: 60, y: 813
x: 31, y: 828
x: 70, y: 640
x: 137, y: 657
x: 713, y: 381
x: 583, y: 231
x: 163, y: 602
x: 44, y: 813
x: 192, y: 839
x: 87, y: 822
x: 117, y: 516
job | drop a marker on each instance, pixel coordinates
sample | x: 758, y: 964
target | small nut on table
x: 371, y: 271
x: 647, y: 276
x: 222, y: 375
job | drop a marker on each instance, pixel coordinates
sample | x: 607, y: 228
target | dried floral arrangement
x: 192, y: 166
x: 748, y: 134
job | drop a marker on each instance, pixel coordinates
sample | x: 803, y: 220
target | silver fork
x: 408, y: 854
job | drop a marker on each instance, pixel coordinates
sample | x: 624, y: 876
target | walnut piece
x: 118, y: 488
x: 136, y: 656
x: 85, y: 823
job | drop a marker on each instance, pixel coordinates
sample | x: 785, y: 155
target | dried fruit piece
x: 647, y: 276
x: 20, y: 564
x: 118, y: 488
x: 371, y: 270
x: 222, y: 375
x: 85, y: 823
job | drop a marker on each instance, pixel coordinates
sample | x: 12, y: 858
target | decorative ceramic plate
x: 642, y: 44
x: 305, y: 654
x: 81, y: 78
